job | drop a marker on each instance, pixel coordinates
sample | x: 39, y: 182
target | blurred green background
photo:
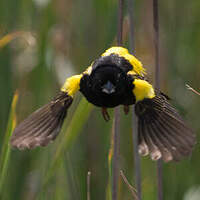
x: 53, y: 40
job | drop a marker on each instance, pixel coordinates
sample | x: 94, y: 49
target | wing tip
x: 30, y: 143
x: 36, y: 131
x: 162, y: 128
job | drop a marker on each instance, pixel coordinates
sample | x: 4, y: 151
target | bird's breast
x: 107, y: 86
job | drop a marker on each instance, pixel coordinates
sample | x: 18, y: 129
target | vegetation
x: 44, y: 42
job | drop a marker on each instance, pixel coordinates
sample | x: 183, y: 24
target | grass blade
x: 137, y: 164
x: 115, y: 161
x: 130, y: 187
x: 11, y: 36
x: 192, y: 89
x: 77, y: 122
x: 88, y: 185
x: 110, y: 158
x: 157, y: 85
x: 5, y: 151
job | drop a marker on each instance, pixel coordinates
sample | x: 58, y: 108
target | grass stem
x: 137, y: 167
x: 192, y: 89
x: 5, y: 151
x: 88, y: 185
x: 115, y: 169
x: 157, y: 86
x: 131, y: 188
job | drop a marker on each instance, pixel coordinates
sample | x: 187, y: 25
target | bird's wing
x: 161, y: 130
x: 44, y: 124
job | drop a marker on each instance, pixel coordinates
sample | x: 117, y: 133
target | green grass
x: 5, y: 150
x: 64, y: 39
x: 74, y: 128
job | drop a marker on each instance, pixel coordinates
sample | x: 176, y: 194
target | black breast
x: 91, y: 86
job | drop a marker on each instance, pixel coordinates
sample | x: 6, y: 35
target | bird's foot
x: 105, y: 114
x: 126, y: 109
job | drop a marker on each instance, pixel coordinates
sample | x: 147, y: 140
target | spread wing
x: 43, y: 125
x: 162, y: 131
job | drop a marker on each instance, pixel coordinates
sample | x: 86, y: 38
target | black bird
x: 115, y: 78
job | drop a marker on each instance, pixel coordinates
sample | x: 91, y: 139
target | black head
x: 108, y: 84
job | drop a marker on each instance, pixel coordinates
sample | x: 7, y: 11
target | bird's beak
x: 108, y: 88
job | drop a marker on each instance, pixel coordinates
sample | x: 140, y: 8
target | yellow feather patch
x: 123, y: 52
x: 72, y: 85
x: 142, y: 90
x: 88, y: 70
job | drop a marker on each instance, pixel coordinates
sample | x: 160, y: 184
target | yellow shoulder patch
x: 88, y: 70
x: 142, y: 90
x: 72, y: 85
x: 123, y: 52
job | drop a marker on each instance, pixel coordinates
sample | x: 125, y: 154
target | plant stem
x: 192, y: 89
x: 88, y: 185
x: 117, y: 112
x: 137, y: 167
x: 157, y: 85
x: 120, y: 22
x: 131, y: 24
x: 116, y: 153
x: 131, y: 188
x: 156, y: 42
x: 74, y: 128
x: 5, y: 152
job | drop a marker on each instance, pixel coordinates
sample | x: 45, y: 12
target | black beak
x: 108, y: 88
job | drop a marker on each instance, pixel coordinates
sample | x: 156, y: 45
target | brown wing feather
x: 163, y: 130
x: 43, y: 125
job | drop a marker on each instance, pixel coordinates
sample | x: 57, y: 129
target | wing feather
x: 166, y: 154
x: 153, y: 148
x: 43, y: 125
x: 163, y: 129
x: 143, y: 148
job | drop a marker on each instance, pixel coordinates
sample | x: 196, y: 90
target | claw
x: 126, y: 109
x: 105, y: 114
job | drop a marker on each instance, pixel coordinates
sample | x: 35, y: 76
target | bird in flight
x: 115, y: 78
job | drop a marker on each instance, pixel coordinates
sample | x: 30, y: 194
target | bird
x: 115, y: 78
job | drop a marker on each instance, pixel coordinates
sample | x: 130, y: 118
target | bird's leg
x: 105, y: 114
x: 126, y: 109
